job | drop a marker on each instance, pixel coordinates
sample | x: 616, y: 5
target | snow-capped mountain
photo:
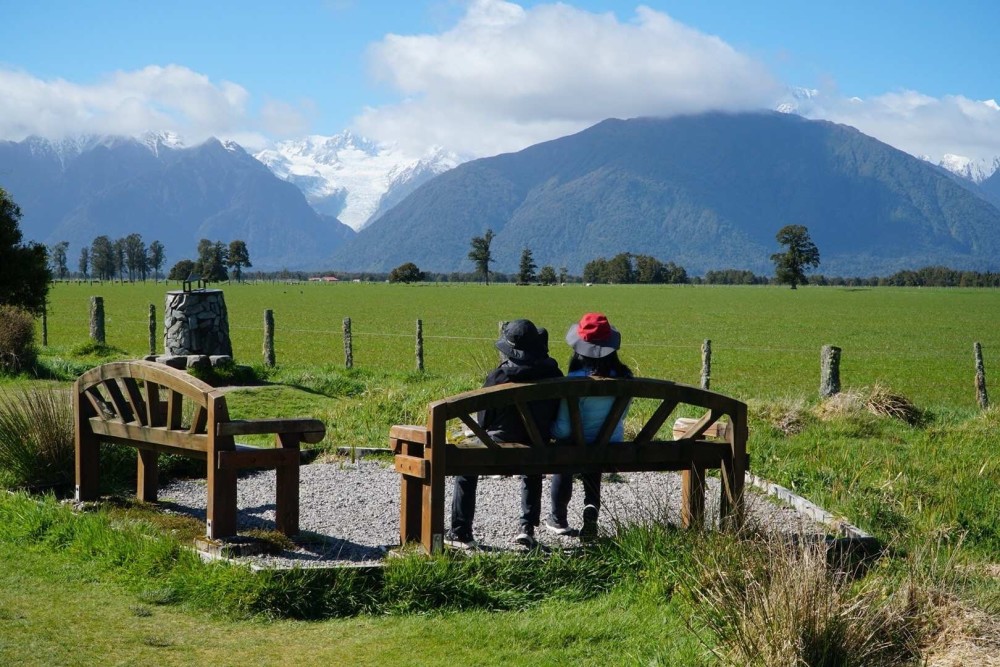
x: 353, y: 178
x: 976, y: 171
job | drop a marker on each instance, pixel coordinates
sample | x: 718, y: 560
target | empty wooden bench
x: 424, y: 457
x: 157, y: 410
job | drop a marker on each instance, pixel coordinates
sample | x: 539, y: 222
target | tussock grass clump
x: 17, y: 340
x: 878, y: 400
x: 769, y: 602
x: 97, y: 350
x: 36, y: 438
x: 789, y: 416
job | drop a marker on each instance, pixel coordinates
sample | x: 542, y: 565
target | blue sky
x: 487, y: 75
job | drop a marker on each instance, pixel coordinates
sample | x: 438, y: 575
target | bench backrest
x: 166, y: 408
x: 425, y: 455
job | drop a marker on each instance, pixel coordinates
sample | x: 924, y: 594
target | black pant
x: 463, y: 503
x: 562, y: 491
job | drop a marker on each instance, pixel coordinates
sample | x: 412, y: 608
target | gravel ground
x: 349, y: 512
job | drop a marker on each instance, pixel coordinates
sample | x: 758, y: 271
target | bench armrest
x: 311, y: 430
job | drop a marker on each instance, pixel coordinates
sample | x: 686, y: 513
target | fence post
x: 97, y: 319
x: 45, y: 322
x: 269, y: 338
x: 348, y: 344
x: 981, y: 397
x: 152, y: 329
x: 501, y: 325
x: 420, y: 345
x: 706, y: 363
x: 829, y: 381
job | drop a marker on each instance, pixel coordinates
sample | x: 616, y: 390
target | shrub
x: 36, y: 438
x: 17, y: 340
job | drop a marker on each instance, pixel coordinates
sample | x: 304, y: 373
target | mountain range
x: 76, y: 190
x: 706, y: 191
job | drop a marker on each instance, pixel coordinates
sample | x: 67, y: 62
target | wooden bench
x: 424, y: 456
x: 158, y: 409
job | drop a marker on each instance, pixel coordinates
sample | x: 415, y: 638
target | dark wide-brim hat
x: 523, y: 342
x: 593, y: 336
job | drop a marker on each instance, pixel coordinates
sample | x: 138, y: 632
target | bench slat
x: 158, y: 435
x: 198, y: 420
x: 618, y: 409
x: 654, y: 423
x: 411, y: 466
x: 122, y: 406
x: 530, y: 427
x: 575, y: 420
x: 156, y: 410
x: 478, y: 430
x: 134, y: 397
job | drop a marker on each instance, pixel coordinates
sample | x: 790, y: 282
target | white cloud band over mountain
x: 501, y: 78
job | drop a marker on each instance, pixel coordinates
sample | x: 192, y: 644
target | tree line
x: 215, y: 260
x: 127, y: 258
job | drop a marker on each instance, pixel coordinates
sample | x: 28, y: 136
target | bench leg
x: 286, y: 513
x: 731, y: 506
x: 221, y: 501
x: 410, y: 498
x: 147, y: 479
x: 693, y: 497
x: 88, y: 454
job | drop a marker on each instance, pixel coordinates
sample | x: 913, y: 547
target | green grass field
x: 931, y: 483
x: 765, y: 340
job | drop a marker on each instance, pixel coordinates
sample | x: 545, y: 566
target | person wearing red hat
x: 595, y: 346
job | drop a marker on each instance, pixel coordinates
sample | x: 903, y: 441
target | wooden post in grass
x: 97, y: 319
x: 420, y: 345
x: 829, y: 380
x: 348, y: 345
x: 152, y: 329
x: 269, y: 338
x: 981, y: 397
x: 501, y: 325
x: 706, y: 363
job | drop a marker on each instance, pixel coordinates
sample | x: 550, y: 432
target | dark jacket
x: 505, y: 424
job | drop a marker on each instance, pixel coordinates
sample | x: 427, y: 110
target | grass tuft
x: 36, y: 438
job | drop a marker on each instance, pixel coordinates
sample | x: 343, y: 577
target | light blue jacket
x: 593, y: 411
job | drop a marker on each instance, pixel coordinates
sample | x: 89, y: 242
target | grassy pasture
x: 765, y: 340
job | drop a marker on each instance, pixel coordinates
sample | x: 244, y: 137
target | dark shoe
x: 526, y: 537
x: 554, y: 525
x: 589, y: 529
x: 463, y: 542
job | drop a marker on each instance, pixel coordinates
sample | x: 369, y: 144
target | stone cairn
x: 195, y: 329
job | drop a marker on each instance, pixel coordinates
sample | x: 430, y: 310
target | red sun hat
x: 593, y: 336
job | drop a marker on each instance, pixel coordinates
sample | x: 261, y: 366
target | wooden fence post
x: 152, y: 329
x: 97, y: 319
x: 420, y: 345
x: 269, y: 338
x: 706, y: 363
x: 501, y: 325
x: 829, y: 381
x: 348, y: 344
x: 981, y: 397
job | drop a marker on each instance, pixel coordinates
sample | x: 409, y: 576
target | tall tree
x: 238, y: 257
x: 135, y: 256
x: 58, y: 254
x: 211, y: 264
x: 118, y: 253
x: 83, y: 266
x: 155, y: 259
x: 620, y: 271
x: 102, y: 258
x: 406, y: 273
x: 547, y: 275
x: 800, y: 254
x: 526, y: 274
x: 24, y: 268
x: 481, y: 254
x: 563, y: 274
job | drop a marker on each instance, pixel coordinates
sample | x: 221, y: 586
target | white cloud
x: 171, y: 98
x: 916, y: 123
x: 505, y: 77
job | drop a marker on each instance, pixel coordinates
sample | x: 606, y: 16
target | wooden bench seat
x: 716, y: 440
x: 161, y: 410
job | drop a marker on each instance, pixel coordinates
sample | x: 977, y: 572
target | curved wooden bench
x: 158, y: 409
x: 424, y: 457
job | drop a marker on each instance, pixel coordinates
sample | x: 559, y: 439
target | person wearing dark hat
x: 595, y: 346
x: 526, y: 351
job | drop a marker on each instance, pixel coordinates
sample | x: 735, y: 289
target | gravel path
x: 349, y: 512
